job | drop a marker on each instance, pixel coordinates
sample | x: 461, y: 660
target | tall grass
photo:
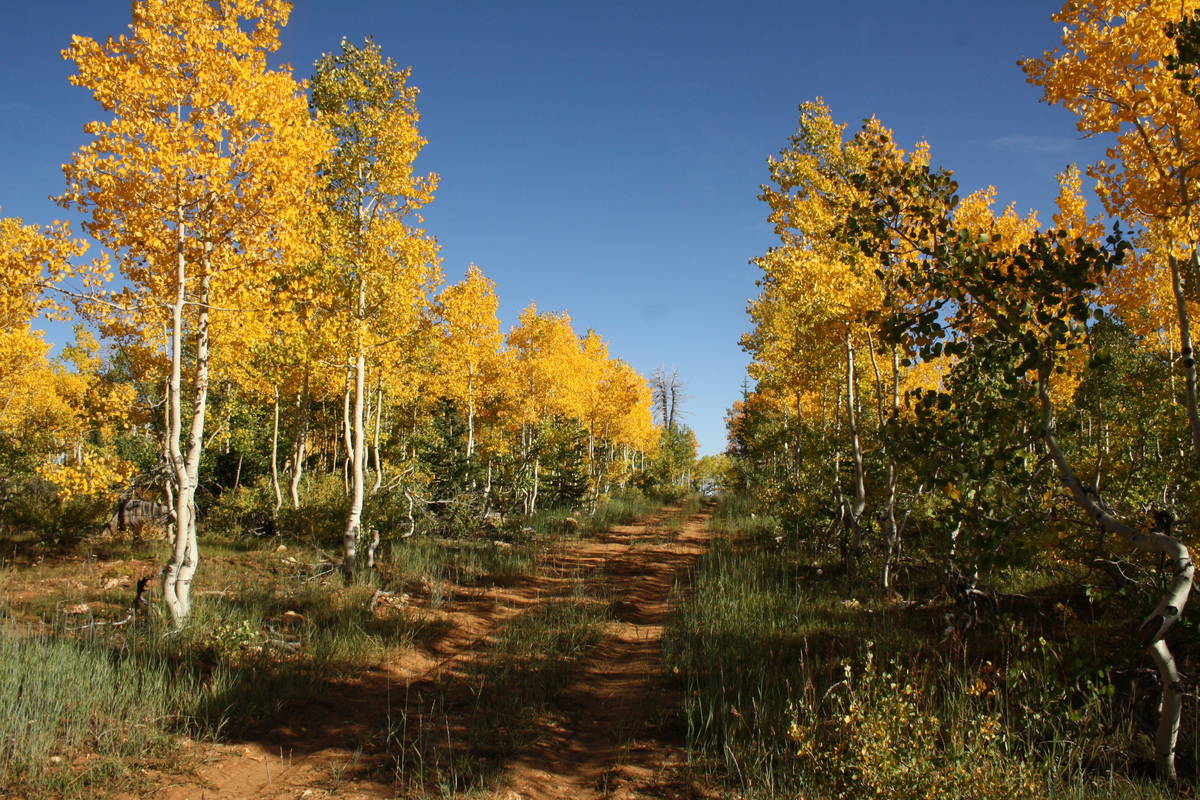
x: 81, y: 704
x: 464, y: 728
x: 73, y: 711
x: 798, y: 682
x: 85, y: 707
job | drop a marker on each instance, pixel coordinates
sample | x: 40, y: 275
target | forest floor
x: 448, y: 720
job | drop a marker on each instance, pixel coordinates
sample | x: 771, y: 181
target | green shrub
x: 877, y: 735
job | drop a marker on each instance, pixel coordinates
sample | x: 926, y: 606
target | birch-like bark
x: 300, y: 445
x: 356, y: 439
x: 470, y: 416
x: 859, y: 504
x: 1186, y: 353
x: 179, y: 549
x: 187, y: 570
x: 354, y: 515
x: 275, y: 454
x: 347, y: 435
x: 1155, y: 626
x: 526, y: 492
x: 537, y: 463
x: 891, y: 532
x: 487, y: 487
x: 378, y: 423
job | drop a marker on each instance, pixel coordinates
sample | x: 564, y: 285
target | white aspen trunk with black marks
x: 537, y: 463
x: 300, y: 443
x: 1186, y: 353
x: 356, y: 439
x: 374, y: 545
x: 487, y: 487
x: 859, y: 503
x: 1169, y: 609
x: 347, y: 434
x: 798, y: 437
x: 357, y: 459
x: 470, y: 415
x: 368, y: 424
x: 179, y: 474
x: 196, y: 434
x: 593, y: 471
x: 952, y: 547
x: 891, y: 530
x: 526, y: 491
x: 275, y: 453
x: 612, y: 458
x: 378, y: 424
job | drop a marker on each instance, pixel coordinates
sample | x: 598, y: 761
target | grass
x: 85, y: 705
x: 61, y: 734
x: 531, y: 661
x: 798, y: 682
x: 455, y: 738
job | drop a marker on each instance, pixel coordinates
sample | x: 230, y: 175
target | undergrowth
x: 800, y: 682
x: 86, y: 704
x: 456, y: 739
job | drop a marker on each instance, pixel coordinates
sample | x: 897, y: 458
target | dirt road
x: 412, y: 729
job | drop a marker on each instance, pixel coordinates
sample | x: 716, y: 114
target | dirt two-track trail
x: 612, y: 732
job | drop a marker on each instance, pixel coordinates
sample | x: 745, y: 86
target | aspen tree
x: 1114, y: 71
x: 542, y: 381
x: 382, y: 266
x: 468, y: 354
x: 196, y: 184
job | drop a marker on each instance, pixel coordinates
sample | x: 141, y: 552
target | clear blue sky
x: 605, y: 158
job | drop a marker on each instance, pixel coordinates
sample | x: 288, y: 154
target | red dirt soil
x: 612, y: 733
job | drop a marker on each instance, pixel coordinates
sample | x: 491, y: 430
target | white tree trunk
x: 533, y: 495
x: 179, y: 550
x: 859, y: 504
x: 1186, y: 353
x: 347, y: 435
x: 1155, y: 626
x: 354, y: 515
x: 356, y: 439
x: 195, y: 450
x: 300, y: 446
x: 378, y: 423
x: 470, y: 427
x: 275, y: 454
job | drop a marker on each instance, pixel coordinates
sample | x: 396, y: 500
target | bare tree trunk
x: 300, y: 445
x: 378, y: 423
x: 179, y: 551
x: 1186, y: 353
x: 537, y: 462
x: 347, y: 435
x: 185, y: 555
x: 356, y: 439
x: 275, y: 453
x: 471, y: 419
x: 374, y: 545
x: 1155, y: 626
x: 354, y: 515
x: 889, y: 520
x: 952, y: 548
x: 859, y: 504
x: 526, y: 448
x: 196, y: 434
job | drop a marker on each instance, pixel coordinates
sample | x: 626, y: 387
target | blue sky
x: 605, y: 158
